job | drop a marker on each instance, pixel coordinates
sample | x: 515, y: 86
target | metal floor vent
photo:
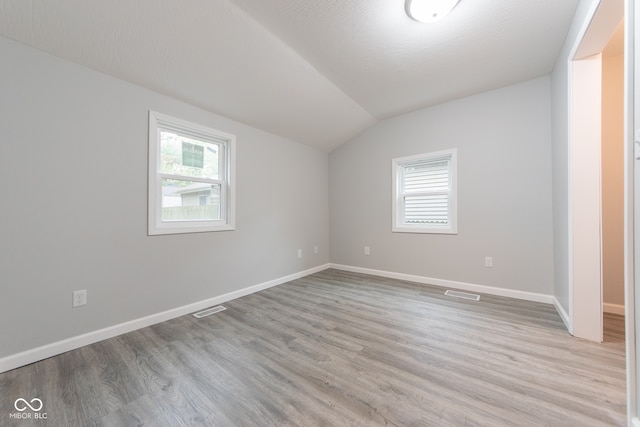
x: 209, y: 311
x: 464, y: 295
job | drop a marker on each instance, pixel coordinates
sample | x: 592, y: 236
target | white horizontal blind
x: 425, y: 191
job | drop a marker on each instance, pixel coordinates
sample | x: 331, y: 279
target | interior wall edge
x: 563, y: 315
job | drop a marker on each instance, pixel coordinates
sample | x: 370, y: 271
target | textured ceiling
x: 391, y: 64
x: 315, y: 71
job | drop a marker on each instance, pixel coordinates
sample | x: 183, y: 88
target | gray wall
x: 503, y: 139
x: 67, y: 132
x: 560, y: 156
x: 560, y: 168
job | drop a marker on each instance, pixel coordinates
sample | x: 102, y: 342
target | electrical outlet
x: 367, y: 250
x: 315, y: 249
x: 299, y: 253
x: 79, y: 298
x: 488, y: 262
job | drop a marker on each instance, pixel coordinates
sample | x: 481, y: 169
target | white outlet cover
x: 79, y: 298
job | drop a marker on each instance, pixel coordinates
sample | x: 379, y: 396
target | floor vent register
x: 464, y: 295
x: 209, y: 311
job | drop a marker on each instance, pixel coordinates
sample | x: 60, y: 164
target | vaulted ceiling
x: 315, y: 71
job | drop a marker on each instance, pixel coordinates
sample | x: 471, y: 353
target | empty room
x: 317, y: 213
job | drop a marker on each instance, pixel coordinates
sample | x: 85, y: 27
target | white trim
x: 569, y: 316
x: 570, y: 89
x: 573, y: 53
x: 30, y: 356
x: 586, y: 201
x: 613, y: 308
x: 563, y: 315
x: 227, y: 143
x: 630, y: 170
x: 398, y: 224
x: 483, y: 289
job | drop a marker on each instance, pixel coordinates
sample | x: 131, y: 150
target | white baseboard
x: 563, y: 315
x: 613, y: 308
x: 30, y: 356
x: 55, y: 348
x: 483, y: 289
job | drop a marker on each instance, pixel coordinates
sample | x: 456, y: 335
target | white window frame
x: 397, y: 165
x: 226, y: 141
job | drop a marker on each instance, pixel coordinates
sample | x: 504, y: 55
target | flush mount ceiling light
x: 429, y: 10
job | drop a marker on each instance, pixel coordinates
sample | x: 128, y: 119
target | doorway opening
x: 596, y: 168
x: 612, y: 184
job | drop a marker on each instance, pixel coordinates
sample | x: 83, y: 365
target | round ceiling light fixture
x: 429, y: 10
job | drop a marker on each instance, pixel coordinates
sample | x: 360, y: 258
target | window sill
x: 173, y: 229
x: 424, y: 230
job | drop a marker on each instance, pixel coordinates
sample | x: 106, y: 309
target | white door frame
x: 585, y: 246
x: 585, y: 145
x: 631, y: 183
x: 631, y: 123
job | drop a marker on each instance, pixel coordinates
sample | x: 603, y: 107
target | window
x: 191, y: 177
x: 424, y: 193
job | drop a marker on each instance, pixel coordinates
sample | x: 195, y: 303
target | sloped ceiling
x: 315, y: 71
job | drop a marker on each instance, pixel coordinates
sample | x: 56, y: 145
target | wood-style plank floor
x: 337, y: 349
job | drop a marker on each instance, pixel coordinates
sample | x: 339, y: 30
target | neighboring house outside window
x: 191, y: 177
x: 425, y: 193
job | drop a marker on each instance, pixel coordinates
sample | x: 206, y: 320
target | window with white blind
x: 424, y: 193
x: 191, y: 170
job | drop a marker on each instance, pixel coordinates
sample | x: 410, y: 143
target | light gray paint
x: 560, y: 150
x: 560, y: 169
x: 73, y: 163
x: 503, y: 139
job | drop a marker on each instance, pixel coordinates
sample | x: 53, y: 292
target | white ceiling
x: 315, y: 71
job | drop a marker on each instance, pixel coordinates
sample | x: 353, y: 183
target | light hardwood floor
x: 337, y: 349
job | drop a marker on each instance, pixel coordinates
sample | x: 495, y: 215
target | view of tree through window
x: 190, y: 168
x: 191, y: 177
x: 181, y: 155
